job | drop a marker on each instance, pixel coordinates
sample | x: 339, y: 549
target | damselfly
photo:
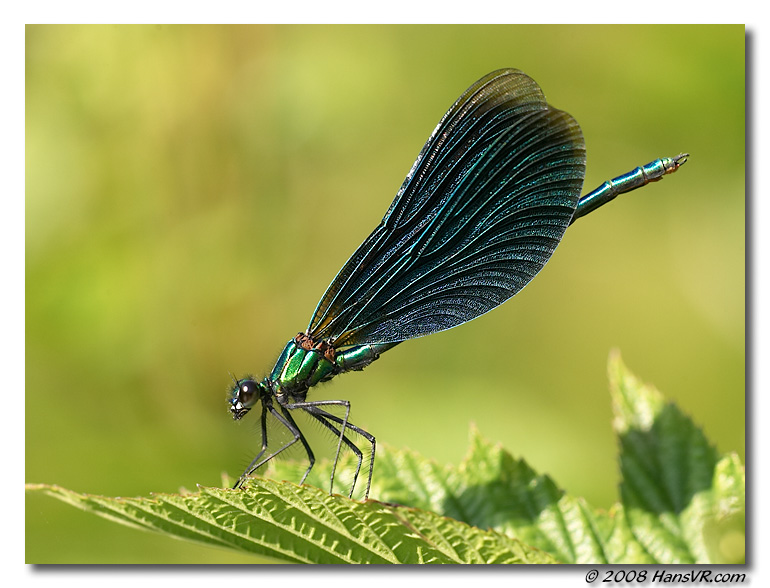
x: 478, y: 215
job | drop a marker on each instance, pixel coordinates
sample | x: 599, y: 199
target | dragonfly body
x: 479, y: 214
x: 305, y: 363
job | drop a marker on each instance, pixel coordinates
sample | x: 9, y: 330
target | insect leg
x: 346, y: 404
x: 251, y: 468
x: 321, y: 417
x: 257, y: 462
x: 313, y: 408
x: 310, y: 456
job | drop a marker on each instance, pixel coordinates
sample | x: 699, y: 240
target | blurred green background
x: 192, y: 190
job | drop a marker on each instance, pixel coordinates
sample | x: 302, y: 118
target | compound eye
x: 247, y: 392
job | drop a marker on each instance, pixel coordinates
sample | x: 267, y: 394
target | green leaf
x: 677, y: 492
x: 305, y: 525
x: 680, y: 503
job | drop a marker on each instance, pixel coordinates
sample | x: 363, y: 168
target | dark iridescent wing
x: 479, y: 214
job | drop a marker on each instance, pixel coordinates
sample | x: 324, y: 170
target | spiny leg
x: 322, y: 414
x: 292, y: 429
x: 305, y: 444
x: 346, y: 404
x: 251, y: 468
x: 321, y: 417
x: 636, y: 178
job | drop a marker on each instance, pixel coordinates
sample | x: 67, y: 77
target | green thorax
x: 305, y: 362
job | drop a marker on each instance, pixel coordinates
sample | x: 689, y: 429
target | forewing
x: 479, y: 214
